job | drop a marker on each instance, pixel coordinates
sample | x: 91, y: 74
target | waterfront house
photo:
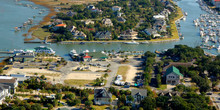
x: 160, y: 25
x: 71, y: 28
x: 43, y: 49
x: 107, y: 22
x: 23, y: 57
x: 58, y: 26
x: 173, y: 76
x: 71, y: 14
x: 88, y: 21
x: 105, y: 35
x: 78, y: 35
x: 216, y: 3
x: 121, y: 20
x: 97, y: 11
x: 102, y: 96
x: 4, y: 91
x: 10, y: 81
x: 116, y: 8
x: 138, y: 95
x: 57, y: 21
x: 128, y: 35
x: 152, y: 32
x: 165, y: 13
x: 93, y: 56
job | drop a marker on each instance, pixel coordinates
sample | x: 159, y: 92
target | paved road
x: 114, y: 68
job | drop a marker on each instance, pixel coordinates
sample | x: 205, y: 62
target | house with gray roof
x: 10, y: 81
x: 71, y: 14
x: 173, y: 75
x: 102, y: 96
x: 138, y: 95
x: 104, y: 35
x: 121, y: 20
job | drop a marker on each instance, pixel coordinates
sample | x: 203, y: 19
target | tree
x: 50, y: 106
x: 55, y: 103
x: 42, y: 77
x: 58, y: 96
x: 149, y: 103
x: 36, y: 107
x: 88, y: 103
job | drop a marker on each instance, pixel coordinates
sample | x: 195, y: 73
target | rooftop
x: 173, y: 69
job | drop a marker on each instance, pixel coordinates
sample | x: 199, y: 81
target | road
x: 216, y: 100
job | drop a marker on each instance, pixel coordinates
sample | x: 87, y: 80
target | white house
x: 4, y: 91
x: 107, y: 22
x: 10, y: 81
x: 173, y: 76
x: 116, y: 8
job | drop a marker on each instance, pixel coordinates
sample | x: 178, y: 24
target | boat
x: 132, y: 42
x: 185, y: 13
x: 73, y: 53
x: 218, y: 48
x: 82, y: 43
x: 145, y: 42
x: 18, y: 51
x: 44, y: 49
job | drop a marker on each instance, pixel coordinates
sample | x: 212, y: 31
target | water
x: 13, y: 15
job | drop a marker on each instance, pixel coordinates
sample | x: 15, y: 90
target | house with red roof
x: 56, y: 27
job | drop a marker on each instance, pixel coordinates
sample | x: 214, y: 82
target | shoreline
x: 45, y: 20
x: 52, y: 12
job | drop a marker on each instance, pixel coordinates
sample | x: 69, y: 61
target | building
x: 43, y: 49
x: 152, y: 32
x: 78, y: 34
x: 88, y: 21
x: 129, y: 34
x: 116, y: 8
x: 23, y: 57
x: 105, y: 35
x: 173, y: 76
x: 58, y: 26
x: 107, y: 22
x: 216, y: 3
x: 102, y: 96
x: 4, y: 91
x: 91, y: 7
x: 121, y: 20
x: 10, y: 81
x: 138, y: 95
x: 93, y: 56
x: 160, y: 25
x: 20, y: 77
x: 57, y: 21
x: 158, y: 17
x: 71, y: 28
x: 71, y: 14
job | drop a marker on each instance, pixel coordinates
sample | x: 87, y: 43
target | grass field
x: 123, y: 70
x: 40, y: 33
x: 103, y: 107
x: 162, y: 87
x: 77, y: 82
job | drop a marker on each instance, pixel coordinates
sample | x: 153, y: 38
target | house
x: 71, y: 28
x: 160, y: 25
x: 10, y: 81
x: 216, y: 3
x: 71, y: 14
x: 159, y: 17
x: 118, y: 14
x: 20, y: 77
x: 152, y: 32
x: 105, y: 35
x: 57, y: 21
x: 78, y: 35
x: 88, y: 21
x: 23, y: 57
x: 97, y: 11
x: 43, y: 49
x: 173, y: 76
x: 91, y: 7
x: 107, y: 22
x: 138, y: 95
x: 102, y: 96
x: 116, y: 8
x: 121, y: 20
x: 129, y: 34
x: 5, y: 90
x: 58, y: 26
x: 98, y: 56
x: 165, y: 13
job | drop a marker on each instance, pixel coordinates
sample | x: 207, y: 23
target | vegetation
x: 123, y: 70
x: 76, y: 82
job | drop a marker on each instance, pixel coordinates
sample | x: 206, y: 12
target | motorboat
x: 132, y: 42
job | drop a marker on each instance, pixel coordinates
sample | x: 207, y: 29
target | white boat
x: 145, y: 42
x: 43, y: 49
x: 218, y: 48
x: 73, y: 53
x: 132, y: 42
x: 185, y: 13
x: 18, y: 51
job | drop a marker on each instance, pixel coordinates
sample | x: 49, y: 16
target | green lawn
x: 103, y: 107
x: 76, y: 82
x: 41, y: 33
x: 123, y: 70
x: 162, y: 87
